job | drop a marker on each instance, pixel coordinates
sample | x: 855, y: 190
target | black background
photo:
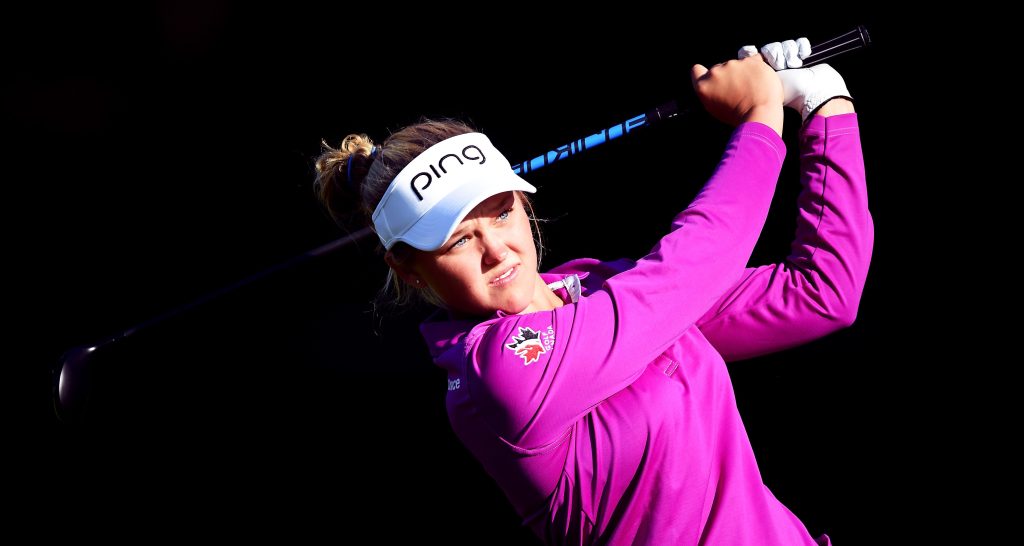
x: 159, y: 153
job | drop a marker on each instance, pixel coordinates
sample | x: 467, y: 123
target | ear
x: 403, y: 271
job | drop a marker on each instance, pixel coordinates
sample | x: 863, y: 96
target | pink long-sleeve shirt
x: 612, y: 418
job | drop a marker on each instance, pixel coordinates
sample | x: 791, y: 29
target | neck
x: 544, y: 299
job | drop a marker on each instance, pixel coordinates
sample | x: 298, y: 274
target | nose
x: 495, y: 250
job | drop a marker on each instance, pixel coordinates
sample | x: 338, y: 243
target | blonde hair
x: 352, y: 178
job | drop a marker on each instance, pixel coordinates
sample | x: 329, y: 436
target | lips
x: 505, y: 275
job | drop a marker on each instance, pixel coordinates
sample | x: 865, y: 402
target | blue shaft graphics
x: 581, y: 144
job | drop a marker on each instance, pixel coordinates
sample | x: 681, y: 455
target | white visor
x: 427, y: 201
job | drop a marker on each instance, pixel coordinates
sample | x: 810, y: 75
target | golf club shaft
x: 849, y: 41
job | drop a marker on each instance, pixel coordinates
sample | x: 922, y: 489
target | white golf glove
x: 804, y: 89
x: 781, y: 55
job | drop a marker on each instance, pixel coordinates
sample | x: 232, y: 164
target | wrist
x: 770, y: 115
x: 834, y: 106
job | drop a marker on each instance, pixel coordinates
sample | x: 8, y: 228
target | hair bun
x: 340, y: 172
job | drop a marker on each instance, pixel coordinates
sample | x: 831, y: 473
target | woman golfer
x: 596, y: 394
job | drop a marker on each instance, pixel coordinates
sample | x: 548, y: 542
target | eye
x: 502, y: 217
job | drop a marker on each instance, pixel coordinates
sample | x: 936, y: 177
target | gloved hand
x: 803, y: 89
x: 806, y: 89
x: 781, y: 55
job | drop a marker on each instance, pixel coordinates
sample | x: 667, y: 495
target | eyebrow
x: 500, y: 206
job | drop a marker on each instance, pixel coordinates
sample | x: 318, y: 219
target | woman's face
x: 494, y: 237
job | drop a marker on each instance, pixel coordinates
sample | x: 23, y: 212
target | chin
x: 518, y: 307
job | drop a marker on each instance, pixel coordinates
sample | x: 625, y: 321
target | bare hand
x: 740, y: 90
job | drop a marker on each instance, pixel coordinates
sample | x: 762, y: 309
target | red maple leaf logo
x: 530, y: 352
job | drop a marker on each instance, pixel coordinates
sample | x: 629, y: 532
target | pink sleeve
x: 817, y: 289
x: 533, y: 375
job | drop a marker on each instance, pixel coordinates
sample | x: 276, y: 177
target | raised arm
x: 816, y: 290
x: 534, y: 375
